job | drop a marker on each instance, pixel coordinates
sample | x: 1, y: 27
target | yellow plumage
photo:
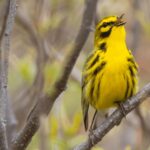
x: 110, y: 72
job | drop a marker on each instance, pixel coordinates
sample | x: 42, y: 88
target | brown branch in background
x: 39, y: 9
x: 45, y: 104
x: 53, y: 53
x: 4, y: 56
x: 4, y: 22
x: 96, y: 135
x: 11, y: 122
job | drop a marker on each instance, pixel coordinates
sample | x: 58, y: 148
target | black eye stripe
x: 110, y: 23
x: 105, y: 24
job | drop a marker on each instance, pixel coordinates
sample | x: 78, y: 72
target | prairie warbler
x: 110, y: 72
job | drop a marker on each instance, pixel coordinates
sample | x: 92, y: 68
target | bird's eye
x: 111, y: 23
x: 104, y: 24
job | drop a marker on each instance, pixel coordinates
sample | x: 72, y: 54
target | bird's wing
x: 84, y: 101
x: 86, y: 78
x: 84, y: 105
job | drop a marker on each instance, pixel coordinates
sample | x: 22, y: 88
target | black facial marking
x: 105, y: 34
x: 103, y: 46
x: 111, y: 23
x: 105, y: 24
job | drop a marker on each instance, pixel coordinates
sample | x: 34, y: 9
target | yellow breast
x: 112, y: 84
x: 116, y: 83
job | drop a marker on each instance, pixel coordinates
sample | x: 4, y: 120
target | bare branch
x: 52, y: 53
x: 45, y: 104
x: 114, y: 119
x: 4, y: 54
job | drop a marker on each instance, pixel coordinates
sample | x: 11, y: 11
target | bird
x: 110, y: 72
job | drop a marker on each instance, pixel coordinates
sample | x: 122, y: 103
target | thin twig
x: 4, y: 22
x: 45, y: 104
x: 4, y: 55
x: 114, y: 119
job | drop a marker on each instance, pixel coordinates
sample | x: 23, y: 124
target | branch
x: 51, y: 52
x: 45, y: 104
x: 114, y: 119
x: 4, y: 54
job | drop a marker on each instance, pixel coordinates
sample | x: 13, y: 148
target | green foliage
x: 51, y: 72
x: 26, y: 69
x: 22, y: 71
x: 35, y: 143
x: 52, y: 24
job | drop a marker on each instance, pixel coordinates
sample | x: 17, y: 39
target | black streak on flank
x: 127, y: 88
x: 133, y: 63
x: 133, y: 82
x: 132, y: 89
x: 98, y: 89
x: 105, y: 34
x: 88, y: 59
x: 131, y: 71
x: 92, y: 88
x: 103, y: 47
x: 99, y: 68
x: 94, y: 61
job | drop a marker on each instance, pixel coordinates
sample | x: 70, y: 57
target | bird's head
x: 110, y: 28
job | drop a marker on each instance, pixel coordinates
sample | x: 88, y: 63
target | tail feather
x: 85, y: 108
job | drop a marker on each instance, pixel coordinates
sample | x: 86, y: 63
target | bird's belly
x: 112, y: 89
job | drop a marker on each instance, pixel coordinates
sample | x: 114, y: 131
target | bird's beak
x: 120, y: 21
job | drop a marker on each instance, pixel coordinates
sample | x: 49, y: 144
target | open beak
x: 120, y: 21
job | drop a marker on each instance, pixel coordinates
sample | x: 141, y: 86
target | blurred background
x: 43, y: 34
